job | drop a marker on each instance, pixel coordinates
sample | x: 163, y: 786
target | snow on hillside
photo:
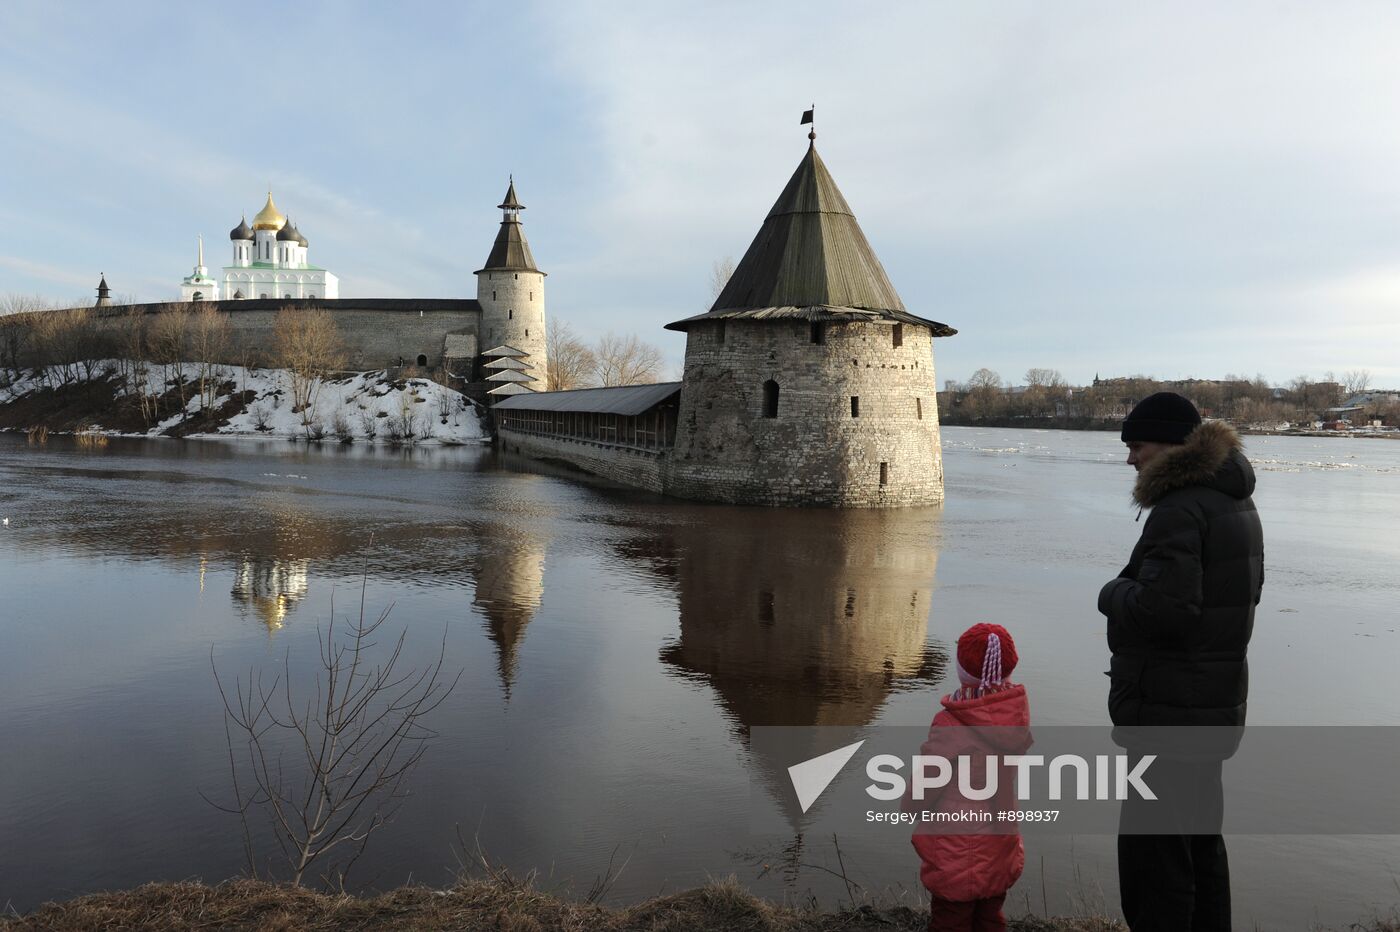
x: 365, y: 406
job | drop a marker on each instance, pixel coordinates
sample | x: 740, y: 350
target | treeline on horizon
x: 1046, y: 396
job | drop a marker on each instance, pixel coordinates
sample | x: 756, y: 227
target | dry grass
x: 480, y: 904
x: 497, y: 903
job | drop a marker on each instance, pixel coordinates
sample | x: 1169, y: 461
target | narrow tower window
x: 719, y: 332
x: 919, y: 408
x: 493, y: 296
x: 818, y: 332
x: 770, y: 398
x: 766, y: 614
x: 898, y: 334
x: 510, y: 313
x: 884, y: 473
x: 855, y: 406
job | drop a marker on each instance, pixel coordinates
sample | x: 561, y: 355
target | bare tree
x: 984, y: 393
x: 625, y: 360
x: 1044, y: 378
x: 571, y: 362
x: 129, y: 334
x: 1356, y: 381
x: 355, y: 736
x: 1042, y: 385
x: 720, y: 273
x: 167, y: 340
x: 66, y: 343
x: 18, y: 323
x: 209, y: 342
x: 984, y: 379
x: 307, y: 344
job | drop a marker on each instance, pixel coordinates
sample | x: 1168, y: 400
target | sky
x: 1171, y: 189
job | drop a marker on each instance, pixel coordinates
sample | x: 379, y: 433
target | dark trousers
x: 970, y: 916
x: 1175, y: 883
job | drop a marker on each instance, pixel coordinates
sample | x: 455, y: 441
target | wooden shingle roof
x: 810, y: 259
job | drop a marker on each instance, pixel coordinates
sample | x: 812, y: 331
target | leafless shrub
x: 65, y: 343
x: 308, y: 345
x: 357, y: 732
x: 262, y: 417
x: 168, y: 341
x: 624, y: 360
x: 720, y: 273
x: 18, y: 319
x: 315, y: 430
x: 340, y: 426
x: 569, y: 361
x: 369, y: 423
x: 209, y: 338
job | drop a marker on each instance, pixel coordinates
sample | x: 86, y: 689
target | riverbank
x: 503, y: 904
x: 117, y: 398
x: 1114, y: 426
x: 479, y: 904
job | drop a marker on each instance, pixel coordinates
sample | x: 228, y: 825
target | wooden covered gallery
x: 639, y: 416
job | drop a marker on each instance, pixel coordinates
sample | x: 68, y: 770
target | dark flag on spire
x: 807, y: 116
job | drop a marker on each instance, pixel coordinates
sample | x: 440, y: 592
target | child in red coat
x: 968, y: 875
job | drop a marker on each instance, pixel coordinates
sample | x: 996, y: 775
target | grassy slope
x: 494, y: 904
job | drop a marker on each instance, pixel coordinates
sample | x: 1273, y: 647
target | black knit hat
x: 1165, y: 417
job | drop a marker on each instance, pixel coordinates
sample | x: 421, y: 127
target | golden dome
x: 269, y: 218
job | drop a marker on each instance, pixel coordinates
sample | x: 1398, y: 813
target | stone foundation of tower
x: 856, y: 423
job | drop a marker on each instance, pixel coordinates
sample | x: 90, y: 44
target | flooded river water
x: 616, y: 647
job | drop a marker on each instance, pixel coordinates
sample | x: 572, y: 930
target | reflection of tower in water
x: 805, y: 617
x: 270, y: 587
x: 508, y: 568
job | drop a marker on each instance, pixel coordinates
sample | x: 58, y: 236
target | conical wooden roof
x: 810, y: 260
x: 810, y: 251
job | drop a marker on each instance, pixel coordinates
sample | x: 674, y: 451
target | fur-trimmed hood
x: 1212, y: 456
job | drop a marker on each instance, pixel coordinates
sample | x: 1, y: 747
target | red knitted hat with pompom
x: 986, y: 655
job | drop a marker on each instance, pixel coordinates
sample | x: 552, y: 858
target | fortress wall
x: 638, y: 468
x: 814, y: 452
x: 375, y: 337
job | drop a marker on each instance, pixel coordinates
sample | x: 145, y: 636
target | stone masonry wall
x: 639, y: 468
x: 375, y: 337
x: 512, y: 312
x: 814, y: 452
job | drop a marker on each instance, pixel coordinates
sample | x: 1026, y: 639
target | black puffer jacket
x: 1181, y: 612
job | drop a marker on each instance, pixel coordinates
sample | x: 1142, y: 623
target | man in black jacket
x: 1180, y: 616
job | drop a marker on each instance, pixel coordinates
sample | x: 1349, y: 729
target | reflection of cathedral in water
x: 805, y: 617
x: 508, y: 568
x: 270, y: 587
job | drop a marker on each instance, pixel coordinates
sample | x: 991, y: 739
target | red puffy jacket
x: 973, y: 867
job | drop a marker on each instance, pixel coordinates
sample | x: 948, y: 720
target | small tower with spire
x: 510, y: 289
x: 104, y: 294
x: 198, y: 285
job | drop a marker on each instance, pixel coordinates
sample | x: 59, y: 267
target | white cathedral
x: 269, y: 261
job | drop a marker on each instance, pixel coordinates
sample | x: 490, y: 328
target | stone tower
x: 511, y: 292
x: 807, y: 382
